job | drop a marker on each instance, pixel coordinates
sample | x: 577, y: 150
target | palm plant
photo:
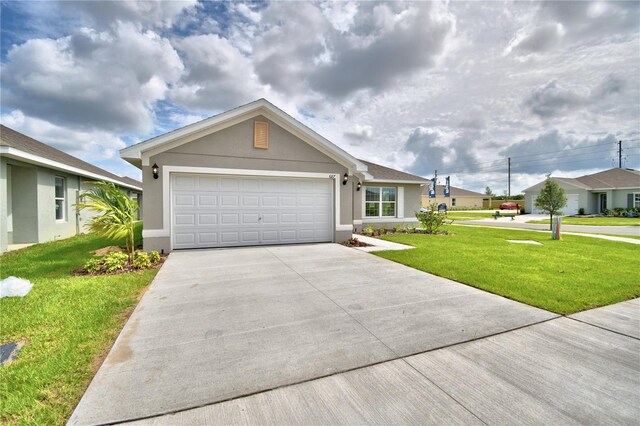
x: 120, y: 213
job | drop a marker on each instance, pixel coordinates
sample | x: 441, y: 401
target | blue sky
x: 456, y: 86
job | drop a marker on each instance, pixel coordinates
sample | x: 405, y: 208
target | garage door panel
x: 229, y: 201
x: 186, y: 239
x: 208, y: 183
x: 184, y: 219
x: 218, y: 211
x: 250, y: 218
x: 230, y: 237
x: 229, y: 184
x: 288, y: 201
x: 207, y: 219
x: 270, y: 218
x: 269, y: 201
x: 184, y: 182
x: 229, y: 219
x: 182, y: 200
x: 207, y: 200
x: 205, y: 238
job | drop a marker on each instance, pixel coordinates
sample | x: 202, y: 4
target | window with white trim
x: 380, y: 201
x: 636, y: 199
x: 60, y: 191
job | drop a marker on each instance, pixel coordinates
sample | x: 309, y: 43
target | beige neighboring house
x: 459, y: 199
x: 613, y: 188
x: 39, y: 186
x: 256, y: 176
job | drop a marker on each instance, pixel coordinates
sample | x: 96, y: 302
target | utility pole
x: 509, y: 187
x: 619, y: 154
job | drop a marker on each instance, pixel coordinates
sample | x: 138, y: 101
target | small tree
x: 489, y: 193
x: 431, y: 220
x: 120, y: 213
x: 551, y: 199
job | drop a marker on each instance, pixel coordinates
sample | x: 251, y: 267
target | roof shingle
x: 385, y: 173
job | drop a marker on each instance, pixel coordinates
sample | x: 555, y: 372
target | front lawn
x: 67, y: 323
x: 595, y: 221
x: 564, y: 276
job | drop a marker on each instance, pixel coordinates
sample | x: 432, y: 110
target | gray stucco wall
x: 49, y: 228
x: 620, y: 197
x: 24, y: 182
x: 4, y: 237
x: 232, y: 148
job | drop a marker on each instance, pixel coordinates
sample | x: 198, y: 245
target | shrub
x: 369, y: 230
x: 581, y: 211
x: 400, y: 229
x: 141, y: 260
x: 114, y: 261
x: 93, y: 265
x: 154, y: 256
x: 431, y: 220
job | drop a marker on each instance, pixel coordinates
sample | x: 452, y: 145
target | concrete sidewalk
x: 222, y: 324
x: 560, y: 371
x: 519, y: 222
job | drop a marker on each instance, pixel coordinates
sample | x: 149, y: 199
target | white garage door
x: 569, y: 209
x: 225, y: 211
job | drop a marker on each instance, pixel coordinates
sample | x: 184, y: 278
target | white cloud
x: 217, y: 75
x: 94, y: 144
x: 153, y: 12
x: 108, y: 80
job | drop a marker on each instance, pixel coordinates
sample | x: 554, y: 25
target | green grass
x: 564, y: 276
x: 595, y: 221
x: 68, y: 324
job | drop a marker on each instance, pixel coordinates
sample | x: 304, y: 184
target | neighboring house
x: 39, y: 186
x: 254, y: 175
x: 614, y: 188
x: 459, y: 199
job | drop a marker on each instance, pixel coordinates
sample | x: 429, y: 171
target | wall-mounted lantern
x: 154, y: 169
x: 345, y: 178
x: 358, y: 186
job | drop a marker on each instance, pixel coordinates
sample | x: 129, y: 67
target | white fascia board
x: 154, y: 146
x: 41, y: 161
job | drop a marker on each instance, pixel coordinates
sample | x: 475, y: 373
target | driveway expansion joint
x: 599, y: 326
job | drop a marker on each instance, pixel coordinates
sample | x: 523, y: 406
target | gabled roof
x: 386, y: 174
x: 611, y: 179
x: 455, y: 192
x: 615, y: 178
x: 14, y: 144
x: 139, y: 154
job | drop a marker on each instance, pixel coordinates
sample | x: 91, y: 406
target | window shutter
x: 261, y: 135
x: 629, y: 201
x: 400, y: 202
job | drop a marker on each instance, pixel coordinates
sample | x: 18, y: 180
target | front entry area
x: 210, y: 211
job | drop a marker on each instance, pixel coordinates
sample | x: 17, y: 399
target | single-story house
x: 459, y: 198
x: 254, y: 175
x: 613, y: 188
x: 39, y: 186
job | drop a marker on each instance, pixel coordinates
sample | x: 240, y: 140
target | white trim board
x: 41, y: 161
x: 165, y: 231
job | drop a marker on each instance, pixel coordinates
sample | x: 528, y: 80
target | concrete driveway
x: 216, y: 325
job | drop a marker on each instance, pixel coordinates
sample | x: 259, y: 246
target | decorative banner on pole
x: 432, y: 188
x: 447, y: 187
